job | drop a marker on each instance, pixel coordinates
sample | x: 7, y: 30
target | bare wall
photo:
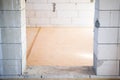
x: 59, y: 13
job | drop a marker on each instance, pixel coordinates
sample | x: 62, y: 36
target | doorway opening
x: 56, y: 47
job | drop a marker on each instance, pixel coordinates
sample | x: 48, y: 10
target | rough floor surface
x: 51, y: 46
x: 58, y: 72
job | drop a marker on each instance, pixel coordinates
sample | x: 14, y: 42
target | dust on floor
x: 50, y: 46
x: 59, y: 72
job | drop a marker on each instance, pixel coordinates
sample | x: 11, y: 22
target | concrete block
x: 95, y: 49
x: 119, y: 51
x: 45, y: 14
x: 58, y: 1
x: 36, y: 1
x: 95, y: 63
x: 109, y: 4
x: 82, y: 21
x: 88, y: 15
x: 79, y: 1
x: 11, y: 51
x: 23, y: 18
x: 24, y: 65
x: 60, y: 21
x: 108, y: 35
x: 10, y: 18
x: 12, y: 4
x: 119, y: 36
x: 96, y: 35
x: 114, y: 19
x: 67, y: 14
x: 10, y: 67
x: 39, y: 21
x: 97, y: 4
x: 38, y: 6
x: 24, y: 50
x: 30, y: 13
x: 28, y: 24
x: 107, y: 68
x: 10, y: 35
x: 66, y: 7
x: 96, y: 15
x: 23, y: 33
x: 108, y: 52
x: 104, y: 18
x: 85, y: 6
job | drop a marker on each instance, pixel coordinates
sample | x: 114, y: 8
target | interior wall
x: 59, y: 13
x: 12, y: 37
x: 107, y: 37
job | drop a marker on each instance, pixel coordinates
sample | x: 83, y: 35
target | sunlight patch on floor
x: 61, y: 47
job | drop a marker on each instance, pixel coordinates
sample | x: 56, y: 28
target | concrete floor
x: 61, y: 79
x: 58, y: 72
x: 60, y: 46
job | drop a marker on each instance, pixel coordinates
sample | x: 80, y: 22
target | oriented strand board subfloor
x: 50, y: 46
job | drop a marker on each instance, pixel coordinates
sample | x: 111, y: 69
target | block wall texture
x: 60, y: 13
x: 12, y: 37
x: 107, y: 37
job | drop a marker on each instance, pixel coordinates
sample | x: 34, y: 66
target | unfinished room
x: 59, y: 39
x: 59, y: 34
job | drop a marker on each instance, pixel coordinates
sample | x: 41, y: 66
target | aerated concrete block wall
x: 107, y: 37
x: 12, y: 37
x: 60, y: 13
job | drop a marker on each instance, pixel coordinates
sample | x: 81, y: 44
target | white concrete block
x: 45, y: 14
x: 67, y: 14
x: 108, y: 68
x: 30, y: 13
x: 82, y: 21
x: 38, y: 6
x: 10, y: 18
x: 104, y: 18
x: 109, y: 4
x: 85, y: 6
x: 119, y: 51
x: 58, y: 1
x: 79, y: 1
x: 108, y: 52
x: 39, y: 21
x: 88, y: 15
x: 23, y: 34
x: 96, y: 35
x: 108, y: 35
x: 24, y: 65
x: 114, y: 19
x: 23, y: 44
x: 37, y: 1
x: 109, y: 18
x: 10, y: 67
x: 97, y: 4
x: 10, y: 35
x: 66, y: 7
x: 95, y: 62
x: 96, y: 15
x: 11, y: 51
x: 23, y: 18
x: 119, y: 36
x: 29, y: 23
x: 60, y: 21
x: 12, y: 4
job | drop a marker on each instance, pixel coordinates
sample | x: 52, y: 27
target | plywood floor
x: 50, y: 46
